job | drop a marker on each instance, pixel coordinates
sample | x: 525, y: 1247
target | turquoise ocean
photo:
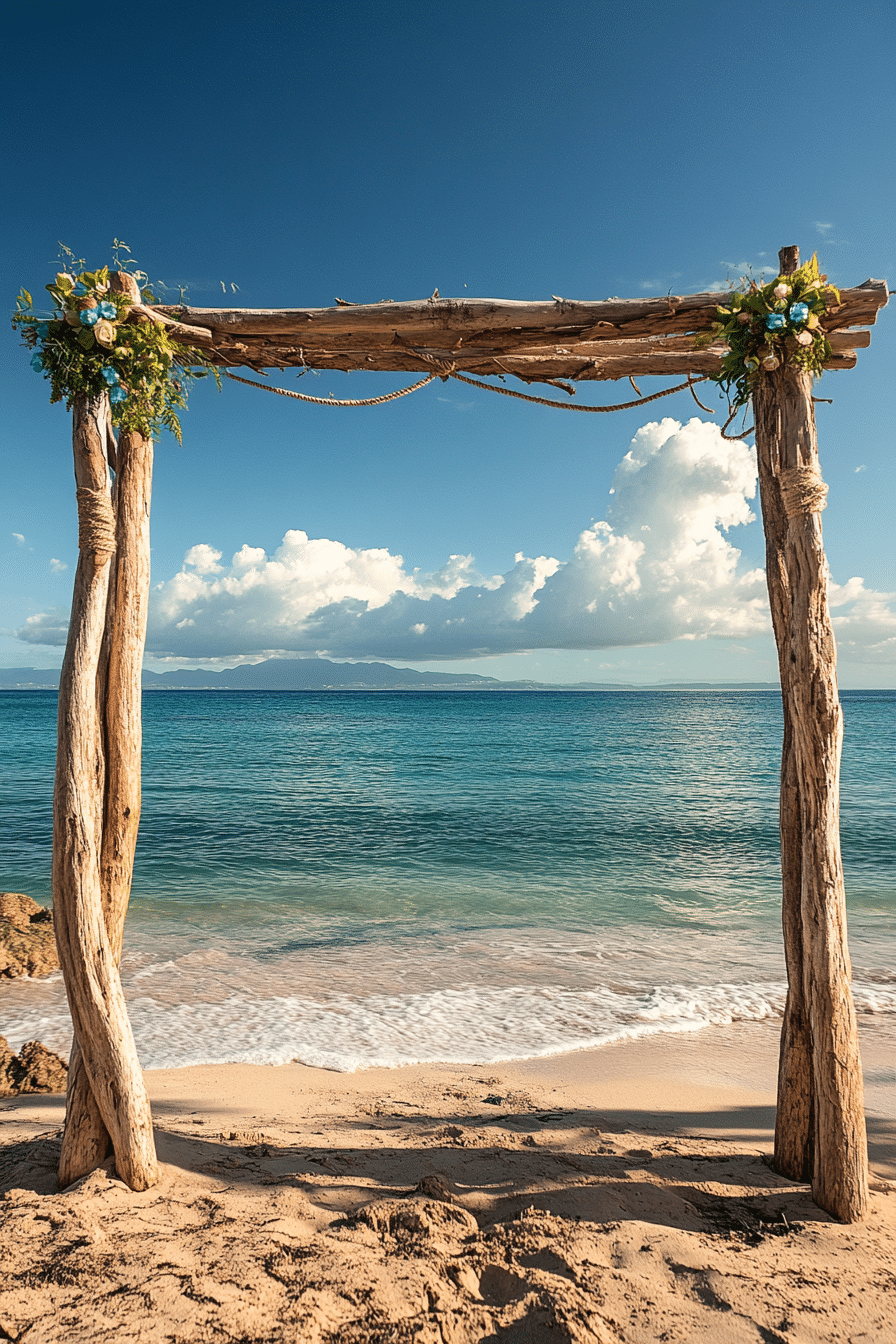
x: 350, y: 879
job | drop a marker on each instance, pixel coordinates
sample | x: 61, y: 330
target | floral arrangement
x: 87, y: 345
x: 772, y: 325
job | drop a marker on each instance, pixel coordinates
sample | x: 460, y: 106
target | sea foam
x: 474, y: 1025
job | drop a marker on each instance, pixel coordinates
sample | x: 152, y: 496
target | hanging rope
x: 449, y: 371
x: 330, y: 401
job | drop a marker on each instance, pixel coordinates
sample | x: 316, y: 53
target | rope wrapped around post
x: 803, y: 491
x: 96, y: 521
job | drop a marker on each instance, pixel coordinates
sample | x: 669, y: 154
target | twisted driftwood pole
x: 820, y: 1128
x: 96, y: 804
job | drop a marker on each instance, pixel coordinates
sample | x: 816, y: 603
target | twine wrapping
x: 96, y: 521
x: 803, y: 491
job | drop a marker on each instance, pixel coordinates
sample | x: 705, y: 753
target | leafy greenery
x: 772, y: 325
x: 91, y: 343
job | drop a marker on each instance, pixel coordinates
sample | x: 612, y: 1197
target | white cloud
x: 864, y: 622
x: 46, y: 627
x: 658, y: 566
x: 203, y: 559
x: 18, y: 538
x: 57, y: 566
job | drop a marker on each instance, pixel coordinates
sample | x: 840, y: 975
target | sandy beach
x: 620, y: 1194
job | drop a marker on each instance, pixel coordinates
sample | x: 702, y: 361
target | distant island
x: 320, y: 674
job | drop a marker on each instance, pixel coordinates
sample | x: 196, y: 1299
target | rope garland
x: 803, y: 491
x: 569, y: 405
x: 96, y: 521
x: 450, y: 371
x: 330, y: 401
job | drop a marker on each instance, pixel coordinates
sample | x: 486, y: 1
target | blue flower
x: 89, y: 317
x: 117, y: 394
x: 107, y: 310
x: 110, y: 375
x: 799, y: 312
x: 37, y: 362
x: 43, y: 330
x: 775, y: 321
x: 79, y: 289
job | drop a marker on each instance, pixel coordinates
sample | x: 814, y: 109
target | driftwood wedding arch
x: 820, y: 1131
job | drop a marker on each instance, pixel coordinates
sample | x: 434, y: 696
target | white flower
x: 105, y: 333
x: 781, y: 291
x: 804, y: 338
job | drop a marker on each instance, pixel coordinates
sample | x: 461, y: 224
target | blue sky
x: 517, y: 150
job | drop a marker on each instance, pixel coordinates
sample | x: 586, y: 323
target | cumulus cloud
x: 659, y: 566
x: 57, y: 566
x: 47, y: 627
x: 864, y: 622
x: 203, y: 559
x: 18, y: 538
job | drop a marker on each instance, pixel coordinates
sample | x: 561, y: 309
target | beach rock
x: 27, y: 942
x: 433, y: 1187
x: 9, y: 1066
x: 34, y: 1069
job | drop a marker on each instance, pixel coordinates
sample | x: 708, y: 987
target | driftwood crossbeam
x: 535, y: 342
x: 820, y: 1129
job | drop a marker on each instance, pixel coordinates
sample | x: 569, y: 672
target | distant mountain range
x: 319, y: 674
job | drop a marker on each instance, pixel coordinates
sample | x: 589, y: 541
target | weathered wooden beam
x: 793, y: 1114
x: 105, y: 1063
x: 820, y: 1128
x: 583, y: 363
x: 353, y: 352
x: 86, y: 1141
x: 536, y: 342
x: 460, y: 320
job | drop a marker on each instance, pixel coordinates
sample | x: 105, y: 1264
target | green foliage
x: 91, y: 344
x: 771, y: 325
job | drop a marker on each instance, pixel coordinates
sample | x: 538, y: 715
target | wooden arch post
x: 96, y: 801
x: 820, y: 1126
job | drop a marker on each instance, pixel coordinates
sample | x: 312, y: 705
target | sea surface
x: 349, y: 879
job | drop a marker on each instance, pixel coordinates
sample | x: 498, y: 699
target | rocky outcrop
x: 33, y: 1069
x: 27, y: 943
x: 27, y: 947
